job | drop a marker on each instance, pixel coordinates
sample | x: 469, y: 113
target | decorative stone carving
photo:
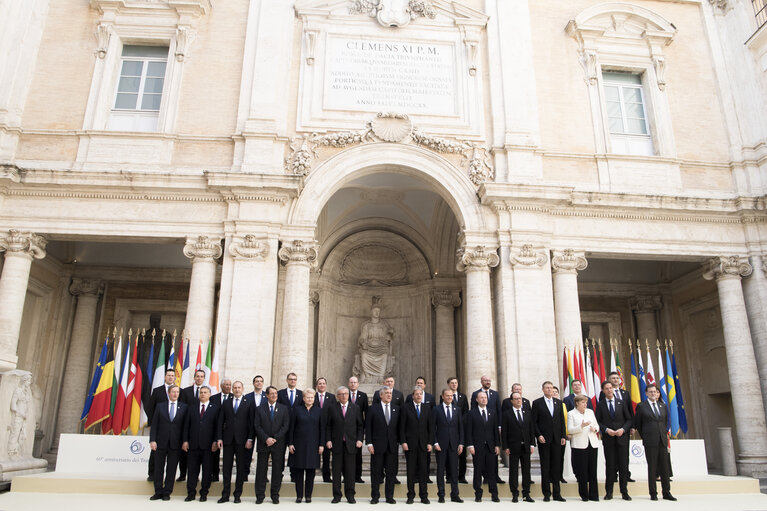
x: 86, y: 287
x: 314, y: 298
x: 659, y: 63
x: 646, y: 303
x: 184, y: 38
x: 311, y: 42
x: 374, y: 264
x: 727, y: 267
x: 528, y: 256
x: 103, y: 34
x: 297, y: 252
x: 568, y: 261
x: 389, y: 127
x: 375, y: 360
x: 21, y: 414
x: 248, y: 247
x: 21, y: 408
x: 203, y: 247
x: 394, y: 13
x: 445, y: 298
x: 23, y: 243
x: 723, y: 6
x: 477, y: 258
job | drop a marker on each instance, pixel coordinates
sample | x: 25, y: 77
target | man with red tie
x: 321, y: 400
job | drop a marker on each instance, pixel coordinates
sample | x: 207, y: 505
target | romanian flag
x: 106, y: 425
x: 636, y: 397
x: 102, y: 398
x: 673, y: 409
x: 678, y: 388
x: 135, y: 387
x: 96, y: 378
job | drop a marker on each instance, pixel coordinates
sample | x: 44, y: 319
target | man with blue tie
x: 549, y: 425
x: 235, y: 433
x: 290, y: 395
x: 484, y: 441
x: 518, y: 439
x: 382, y: 437
x: 448, y: 434
x: 165, y: 438
x: 272, y: 421
x: 416, y: 431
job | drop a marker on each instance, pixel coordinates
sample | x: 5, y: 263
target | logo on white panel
x: 137, y: 447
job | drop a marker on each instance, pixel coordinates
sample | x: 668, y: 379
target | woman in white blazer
x: 582, y: 427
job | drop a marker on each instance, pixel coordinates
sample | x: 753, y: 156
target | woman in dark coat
x: 305, y: 441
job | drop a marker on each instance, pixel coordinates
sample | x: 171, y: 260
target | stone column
x: 755, y: 293
x: 203, y: 251
x: 645, y: 311
x: 78, y: 361
x: 480, y: 343
x: 444, y: 301
x: 746, y: 391
x: 299, y: 258
x: 565, y: 265
x: 20, y: 249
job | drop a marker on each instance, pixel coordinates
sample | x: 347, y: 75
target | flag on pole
x: 135, y: 418
x: 661, y: 377
x: 173, y: 362
x: 565, y: 381
x: 96, y: 378
x: 146, y: 390
x: 590, y: 377
x: 570, y: 377
x: 678, y: 388
x: 159, y: 368
x: 617, y: 364
x: 122, y: 393
x: 213, y: 382
x: 673, y: 408
x: 650, y: 371
x: 642, y: 382
x: 106, y: 425
x: 198, y: 364
x: 636, y: 397
x: 187, y: 374
x: 596, y: 379
x: 602, y: 372
x: 581, y: 372
x: 102, y: 398
x: 179, y: 365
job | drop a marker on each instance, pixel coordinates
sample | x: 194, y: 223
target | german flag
x: 102, y: 398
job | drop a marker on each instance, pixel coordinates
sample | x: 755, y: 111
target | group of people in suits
x: 325, y: 431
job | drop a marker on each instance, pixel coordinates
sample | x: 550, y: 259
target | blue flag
x: 679, y: 400
x: 673, y: 411
x: 96, y: 378
x: 642, y: 382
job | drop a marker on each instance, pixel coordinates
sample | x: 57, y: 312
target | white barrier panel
x: 103, y: 454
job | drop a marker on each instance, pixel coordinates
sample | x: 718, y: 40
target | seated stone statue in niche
x: 375, y: 360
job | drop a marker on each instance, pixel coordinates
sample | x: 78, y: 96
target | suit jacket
x: 202, y: 431
x: 550, y: 427
x: 284, y: 398
x: 651, y: 429
x: 516, y: 436
x: 362, y: 403
x: 169, y: 434
x: 481, y: 434
x: 507, y: 404
x: 236, y: 428
x: 158, y: 395
x: 305, y: 434
x: 337, y: 427
x: 266, y: 427
x: 461, y: 401
x: 329, y: 398
x: 493, y: 400
x: 569, y: 402
x: 582, y: 437
x: 417, y: 432
x: 427, y: 400
x: 622, y: 419
x: 448, y: 434
x: 252, y: 396
x: 187, y: 396
x: 397, y: 398
x: 216, y: 398
x: 380, y: 435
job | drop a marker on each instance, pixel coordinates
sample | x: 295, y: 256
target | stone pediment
x: 391, y: 12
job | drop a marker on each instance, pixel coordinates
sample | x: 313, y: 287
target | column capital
x: 646, y: 303
x: 445, y: 298
x: 23, y: 243
x: 568, y: 261
x: 726, y: 267
x: 248, y: 247
x: 202, y: 248
x: 476, y: 258
x: 528, y: 256
x: 81, y: 286
x: 298, y: 251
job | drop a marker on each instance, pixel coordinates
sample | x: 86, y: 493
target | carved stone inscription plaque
x: 372, y: 75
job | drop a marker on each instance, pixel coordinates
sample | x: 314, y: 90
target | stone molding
x: 476, y: 258
x: 527, y: 256
x: 81, y: 286
x: 297, y: 251
x: 726, y: 267
x: 721, y: 6
x: 248, y: 247
x: 391, y: 15
x: 445, y: 298
x: 568, y: 261
x: 203, y: 248
x: 23, y: 243
x: 646, y: 303
x: 393, y: 128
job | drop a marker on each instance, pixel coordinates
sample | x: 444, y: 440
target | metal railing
x: 760, y: 10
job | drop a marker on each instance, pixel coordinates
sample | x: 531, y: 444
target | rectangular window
x: 139, y: 89
x: 760, y: 9
x: 626, y: 114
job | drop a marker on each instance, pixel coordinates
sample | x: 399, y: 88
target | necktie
x: 655, y: 410
x: 291, y: 398
x: 449, y: 415
x: 236, y: 404
x: 354, y: 397
x: 550, y: 404
x: 455, y: 398
x: 271, y: 412
x: 343, y: 410
x: 386, y: 414
x: 172, y: 410
x: 322, y: 400
x: 202, y: 411
x: 484, y: 415
x: 612, y: 410
x: 519, y: 416
x: 418, y: 410
x: 197, y: 392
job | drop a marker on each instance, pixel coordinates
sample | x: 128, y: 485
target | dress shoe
x: 584, y: 499
x: 630, y: 480
x: 528, y: 499
x: 608, y: 496
x: 463, y: 481
x: 351, y: 500
x: 670, y: 497
x: 335, y: 500
x: 308, y: 500
x: 425, y: 501
x: 396, y: 481
x: 275, y: 500
x: 495, y: 498
x: 223, y: 499
x: 156, y: 496
x: 653, y: 497
x: 562, y: 480
x: 456, y: 499
x: 625, y: 496
x: 374, y: 501
x: 181, y: 478
x: 546, y: 498
x: 237, y: 500
x: 594, y: 499
x: 391, y: 501
x: 559, y: 498
x: 298, y: 500
x: 515, y: 499
x: 165, y: 496
x: 189, y: 498
x: 259, y: 500
x: 203, y: 498
x: 149, y: 478
x: 429, y: 481
x: 359, y: 480
x: 500, y: 481
x: 327, y: 480
x: 214, y: 479
x: 477, y: 499
x: 441, y: 500
x: 409, y: 501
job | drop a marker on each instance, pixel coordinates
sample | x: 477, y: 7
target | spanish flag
x: 102, y: 398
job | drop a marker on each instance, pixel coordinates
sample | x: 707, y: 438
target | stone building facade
x: 507, y: 177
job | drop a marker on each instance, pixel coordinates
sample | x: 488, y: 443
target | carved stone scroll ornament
x: 249, y: 247
x: 476, y: 258
x: 298, y: 252
x: 395, y: 128
x: 726, y: 267
x: 23, y: 243
x: 202, y: 248
x: 394, y: 13
x: 723, y: 6
x: 528, y: 256
x: 646, y: 303
x: 445, y: 298
x: 568, y: 261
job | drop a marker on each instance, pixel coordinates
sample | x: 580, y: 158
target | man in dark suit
x: 189, y: 396
x: 462, y: 402
x: 429, y: 401
x: 360, y: 399
x: 493, y: 402
x: 506, y: 404
x: 448, y: 444
x: 518, y: 439
x: 614, y: 421
x: 569, y: 400
x: 158, y: 396
x: 397, y: 398
x: 416, y: 431
x: 382, y: 436
x: 218, y: 399
x: 650, y: 421
x: 484, y: 442
x: 615, y: 379
x: 549, y: 426
x: 165, y: 438
x: 201, y: 440
x: 321, y: 399
x: 272, y: 420
x: 258, y: 396
x: 235, y: 435
x: 344, y: 430
x: 290, y: 395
